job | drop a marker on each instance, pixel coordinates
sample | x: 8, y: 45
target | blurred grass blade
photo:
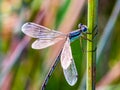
x: 108, y: 30
x: 6, y: 66
x: 109, y: 77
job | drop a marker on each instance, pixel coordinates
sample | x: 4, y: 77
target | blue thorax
x: 77, y: 33
x: 74, y: 35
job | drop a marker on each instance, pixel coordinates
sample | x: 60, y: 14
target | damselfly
x: 46, y: 37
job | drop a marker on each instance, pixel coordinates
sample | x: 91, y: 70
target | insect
x: 47, y: 37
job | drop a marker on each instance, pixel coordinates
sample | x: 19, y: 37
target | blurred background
x: 22, y: 68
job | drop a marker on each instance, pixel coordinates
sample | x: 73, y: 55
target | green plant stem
x: 91, y: 54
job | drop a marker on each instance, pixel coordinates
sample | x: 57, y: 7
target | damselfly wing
x: 68, y: 64
x: 46, y: 37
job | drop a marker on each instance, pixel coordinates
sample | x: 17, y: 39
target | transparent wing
x: 66, y: 55
x: 68, y: 64
x: 71, y: 74
x: 41, y: 43
x: 38, y: 31
x: 46, y: 36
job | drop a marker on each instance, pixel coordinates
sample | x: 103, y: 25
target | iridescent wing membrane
x: 68, y: 64
x: 45, y: 38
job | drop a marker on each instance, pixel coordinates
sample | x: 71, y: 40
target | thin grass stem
x: 91, y: 54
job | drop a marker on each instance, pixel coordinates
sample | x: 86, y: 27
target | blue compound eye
x: 84, y: 29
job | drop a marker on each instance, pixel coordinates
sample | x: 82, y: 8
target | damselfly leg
x: 83, y: 36
x: 94, y: 31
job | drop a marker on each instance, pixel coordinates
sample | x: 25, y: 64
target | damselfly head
x: 82, y: 27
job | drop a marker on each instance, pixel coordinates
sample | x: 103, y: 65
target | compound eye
x: 80, y: 25
x: 84, y: 29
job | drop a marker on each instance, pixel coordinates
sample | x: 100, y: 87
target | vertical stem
x: 91, y: 54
